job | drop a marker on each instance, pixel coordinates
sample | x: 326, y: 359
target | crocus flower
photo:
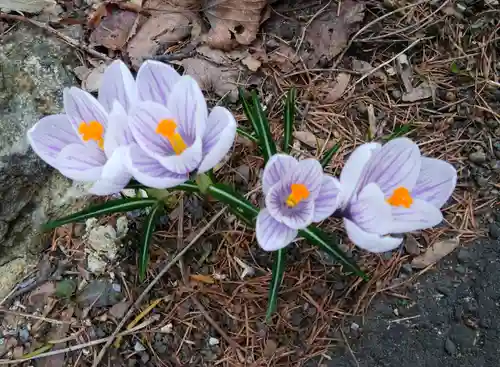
x: 297, y: 193
x: 175, y: 135
x: 392, y: 189
x: 87, y: 142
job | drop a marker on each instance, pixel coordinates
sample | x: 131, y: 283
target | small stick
x: 70, y: 41
x: 152, y: 284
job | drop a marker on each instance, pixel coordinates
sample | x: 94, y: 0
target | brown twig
x: 137, y: 303
x: 70, y: 41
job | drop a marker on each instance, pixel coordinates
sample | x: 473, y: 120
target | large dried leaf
x: 25, y: 6
x: 328, y: 33
x: 311, y: 140
x: 338, y: 88
x: 114, y: 29
x: 233, y: 21
x: 423, y: 91
x: 221, y: 80
x: 435, y: 252
x: 161, y: 30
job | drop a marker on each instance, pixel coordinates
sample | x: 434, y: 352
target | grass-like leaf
x: 277, y: 278
x: 249, y: 113
x: 149, y: 227
x: 247, y: 135
x: 266, y: 139
x: 236, y: 202
x: 112, y: 206
x: 317, y: 237
x: 289, y: 118
x: 327, y: 157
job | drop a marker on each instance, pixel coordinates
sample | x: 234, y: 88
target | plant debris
x: 435, y: 252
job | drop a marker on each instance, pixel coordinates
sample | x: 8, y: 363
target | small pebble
x: 450, y: 347
x: 138, y: 347
x: 460, y: 270
x: 396, y: 94
x: 463, y: 256
x: 477, y: 157
x: 450, y: 96
x: 407, y: 268
x: 495, y: 231
x: 213, y: 341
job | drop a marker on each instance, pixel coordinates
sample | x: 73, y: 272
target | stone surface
x: 33, y: 75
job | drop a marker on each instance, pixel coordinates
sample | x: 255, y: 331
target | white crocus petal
x: 218, y: 139
x: 420, y: 215
x: 81, y: 106
x: 79, y: 163
x: 118, y: 132
x: 271, y: 234
x: 328, y: 199
x: 276, y: 169
x: 371, y: 242
x: 353, y: 167
x: 115, y: 175
x: 117, y: 84
x: 148, y: 171
x: 155, y: 81
x: 436, y: 181
x: 189, y: 108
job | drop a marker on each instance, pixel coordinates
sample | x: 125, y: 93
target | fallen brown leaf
x: 58, y: 332
x: 161, y: 30
x: 434, y: 253
x: 113, y: 30
x: 308, y: 138
x: 423, y: 91
x: 338, y: 88
x: 202, y: 278
x: 233, y: 22
x: 221, y: 80
x: 251, y: 63
x: 328, y: 33
x: 91, y: 78
x: 25, y: 6
x: 405, y: 72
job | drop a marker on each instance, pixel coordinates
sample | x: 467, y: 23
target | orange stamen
x: 400, y: 197
x: 167, y: 128
x: 299, y: 193
x: 92, y: 130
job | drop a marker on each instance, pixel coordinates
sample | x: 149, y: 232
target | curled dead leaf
x: 114, y: 29
x: 233, y: 22
x: 435, y: 252
x: 221, y: 80
x: 423, y: 91
x: 308, y: 138
x: 338, y: 88
x: 91, y: 78
x: 328, y: 33
x: 251, y: 63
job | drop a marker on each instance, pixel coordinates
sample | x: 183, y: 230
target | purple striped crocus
x: 175, y: 136
x: 88, y: 141
x: 297, y: 193
x: 392, y: 189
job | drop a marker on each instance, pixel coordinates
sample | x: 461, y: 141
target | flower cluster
x: 156, y: 128
x: 382, y: 190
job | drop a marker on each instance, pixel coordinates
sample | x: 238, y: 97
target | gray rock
x: 407, y: 268
x: 460, y: 269
x: 477, y: 157
x: 31, y: 84
x: 462, y: 336
x: 100, y: 293
x: 495, y: 231
x: 450, y: 347
x: 463, y: 256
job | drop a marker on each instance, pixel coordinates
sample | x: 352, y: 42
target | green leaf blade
x: 265, y: 137
x: 112, y: 206
x: 276, y: 280
x: 289, y: 118
x: 249, y: 113
x: 236, y: 202
x: 327, y: 157
x: 317, y: 237
x: 147, y: 234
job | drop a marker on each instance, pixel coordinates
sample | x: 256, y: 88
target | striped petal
x: 115, y: 175
x: 117, y: 84
x: 155, y: 81
x: 118, y: 133
x: 218, y: 138
x: 328, y: 199
x: 371, y: 242
x: 276, y: 169
x: 420, y: 215
x: 79, y: 163
x: 81, y: 106
x: 370, y: 211
x: 49, y: 136
x: 436, y: 182
x: 271, y: 234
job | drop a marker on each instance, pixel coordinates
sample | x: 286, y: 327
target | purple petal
x: 271, y: 234
x: 155, y: 81
x: 419, y: 215
x: 143, y: 121
x: 114, y: 176
x: 189, y: 108
x: 149, y: 171
x: 50, y: 135
x: 351, y: 173
x: 117, y: 84
x: 298, y: 217
x: 308, y: 172
x: 370, y: 211
x: 81, y: 106
x: 328, y: 199
x: 276, y: 169
x: 396, y: 164
x: 78, y: 162
x: 371, y: 242
x: 218, y: 138
x: 436, y: 182
x: 118, y: 133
